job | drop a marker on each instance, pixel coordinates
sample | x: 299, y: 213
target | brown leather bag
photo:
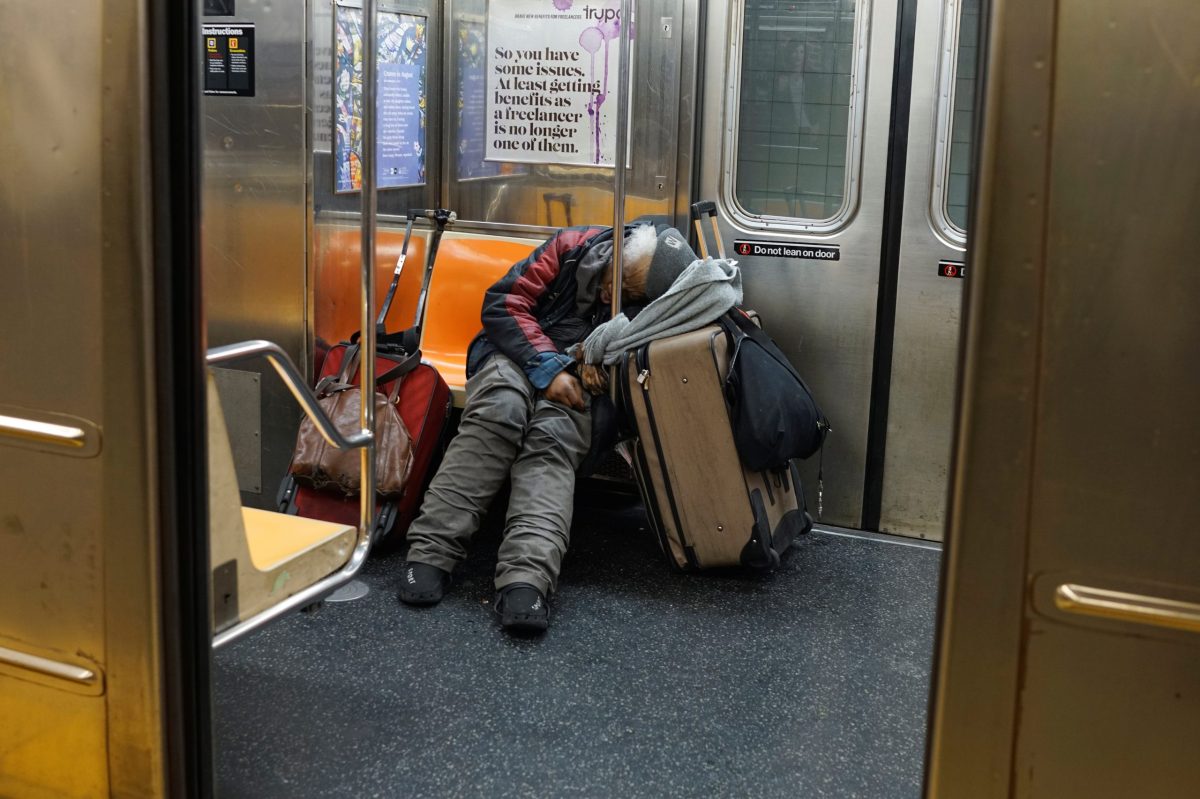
x: 318, y: 464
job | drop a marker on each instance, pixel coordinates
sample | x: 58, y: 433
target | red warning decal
x: 951, y: 269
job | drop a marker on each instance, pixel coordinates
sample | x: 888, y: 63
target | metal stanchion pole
x: 619, y: 166
x: 367, y: 324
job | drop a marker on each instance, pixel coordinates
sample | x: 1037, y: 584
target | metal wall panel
x: 928, y: 314
x: 241, y: 399
x: 255, y: 212
x: 821, y: 313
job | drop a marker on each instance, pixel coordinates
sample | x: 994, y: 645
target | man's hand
x: 565, y: 389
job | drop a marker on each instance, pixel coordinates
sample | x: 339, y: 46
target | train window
x: 798, y: 111
x: 956, y: 108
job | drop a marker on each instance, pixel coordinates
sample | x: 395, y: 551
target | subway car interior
x: 969, y: 225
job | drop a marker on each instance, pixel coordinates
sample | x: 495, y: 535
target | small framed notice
x: 229, y: 60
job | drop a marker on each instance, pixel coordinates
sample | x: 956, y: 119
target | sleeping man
x: 527, y: 415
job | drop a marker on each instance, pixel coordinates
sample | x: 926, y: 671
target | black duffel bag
x: 772, y: 411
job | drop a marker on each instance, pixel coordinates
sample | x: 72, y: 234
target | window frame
x: 855, y: 124
x: 939, y: 194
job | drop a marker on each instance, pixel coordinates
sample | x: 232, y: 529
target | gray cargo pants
x: 508, y: 429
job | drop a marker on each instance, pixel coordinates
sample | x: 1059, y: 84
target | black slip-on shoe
x: 422, y: 584
x: 522, y: 609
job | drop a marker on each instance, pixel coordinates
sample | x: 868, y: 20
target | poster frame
x: 382, y: 8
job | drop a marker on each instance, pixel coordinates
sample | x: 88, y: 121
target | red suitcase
x: 423, y: 402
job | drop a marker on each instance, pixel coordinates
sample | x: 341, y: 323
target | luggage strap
x: 331, y: 384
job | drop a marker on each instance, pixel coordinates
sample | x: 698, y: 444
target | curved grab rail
x: 290, y: 375
x: 287, y: 370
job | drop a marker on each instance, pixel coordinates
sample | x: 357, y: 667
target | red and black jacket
x: 532, y: 310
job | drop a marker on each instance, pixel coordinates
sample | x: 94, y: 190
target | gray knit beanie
x: 672, y: 255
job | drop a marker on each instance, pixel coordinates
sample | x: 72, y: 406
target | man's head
x: 651, y: 262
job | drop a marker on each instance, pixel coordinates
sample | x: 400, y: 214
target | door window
x: 956, y: 109
x: 796, y: 103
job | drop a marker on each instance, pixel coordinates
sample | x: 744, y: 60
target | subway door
x: 794, y: 139
x: 930, y: 277
x: 1069, y: 640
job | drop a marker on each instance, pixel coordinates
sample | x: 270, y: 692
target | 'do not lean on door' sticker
x: 783, y: 249
x: 952, y: 269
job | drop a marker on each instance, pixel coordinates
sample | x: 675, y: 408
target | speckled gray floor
x: 649, y: 684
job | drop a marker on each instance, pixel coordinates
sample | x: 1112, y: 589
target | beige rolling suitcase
x: 706, y: 509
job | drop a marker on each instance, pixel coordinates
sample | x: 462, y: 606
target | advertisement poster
x: 400, y: 104
x: 551, y: 81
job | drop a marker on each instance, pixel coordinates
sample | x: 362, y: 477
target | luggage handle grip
x: 440, y: 217
x: 702, y: 209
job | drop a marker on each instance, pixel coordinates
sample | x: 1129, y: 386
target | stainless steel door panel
x: 1076, y: 461
x: 928, y: 317
x: 1116, y: 488
x: 80, y: 575
x: 1116, y: 714
x: 821, y: 313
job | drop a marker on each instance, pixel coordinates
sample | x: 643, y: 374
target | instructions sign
x: 551, y: 80
x: 229, y: 60
x: 783, y: 249
x: 400, y: 101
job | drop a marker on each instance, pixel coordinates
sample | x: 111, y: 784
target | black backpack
x: 772, y: 411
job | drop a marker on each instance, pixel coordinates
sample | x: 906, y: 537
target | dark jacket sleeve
x: 509, y: 312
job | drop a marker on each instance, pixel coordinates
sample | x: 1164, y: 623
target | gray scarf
x: 701, y: 293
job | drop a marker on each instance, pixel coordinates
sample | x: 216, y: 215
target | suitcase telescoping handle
x: 565, y: 199
x: 391, y: 292
x: 702, y: 209
x: 440, y: 218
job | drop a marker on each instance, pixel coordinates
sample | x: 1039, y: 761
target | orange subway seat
x: 467, y: 266
x: 338, y: 271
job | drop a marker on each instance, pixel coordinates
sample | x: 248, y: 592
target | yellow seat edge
x: 278, y: 538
